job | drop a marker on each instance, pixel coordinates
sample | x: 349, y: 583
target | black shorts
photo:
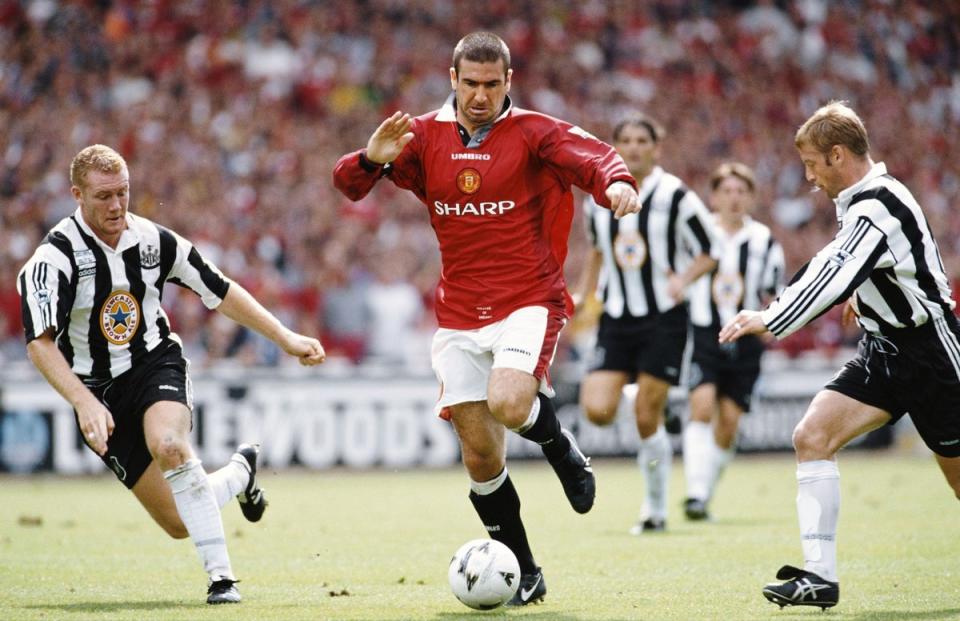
x: 160, y: 376
x: 732, y: 367
x: 915, y: 371
x: 653, y: 345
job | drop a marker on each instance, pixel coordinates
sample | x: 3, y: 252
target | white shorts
x: 525, y: 340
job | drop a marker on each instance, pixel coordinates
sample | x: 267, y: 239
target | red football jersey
x: 501, y: 209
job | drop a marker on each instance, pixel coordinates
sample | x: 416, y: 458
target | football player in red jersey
x: 496, y: 181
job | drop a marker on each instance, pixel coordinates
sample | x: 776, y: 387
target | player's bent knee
x: 483, y: 467
x: 511, y: 413
x: 811, y: 443
x: 170, y: 452
x: 600, y: 415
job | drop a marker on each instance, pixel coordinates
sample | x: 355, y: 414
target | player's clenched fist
x: 623, y: 199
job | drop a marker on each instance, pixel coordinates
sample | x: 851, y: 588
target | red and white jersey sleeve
x: 501, y: 209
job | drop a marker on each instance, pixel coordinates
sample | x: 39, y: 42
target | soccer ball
x: 484, y: 574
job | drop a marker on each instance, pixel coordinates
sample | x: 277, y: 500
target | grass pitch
x: 375, y: 545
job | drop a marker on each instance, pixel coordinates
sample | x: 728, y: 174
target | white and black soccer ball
x: 484, y: 574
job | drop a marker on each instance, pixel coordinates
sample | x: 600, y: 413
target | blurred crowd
x: 231, y: 116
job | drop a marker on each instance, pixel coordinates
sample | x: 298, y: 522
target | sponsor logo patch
x: 468, y: 181
x: 119, y: 317
x: 840, y: 257
x: 42, y: 296
x: 86, y: 262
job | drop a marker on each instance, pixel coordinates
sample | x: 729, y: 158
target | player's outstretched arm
x: 389, y: 139
x: 746, y: 322
x: 623, y: 199
x: 243, y: 308
x: 96, y: 422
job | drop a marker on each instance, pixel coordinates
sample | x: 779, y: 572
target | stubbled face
x: 481, y: 89
x: 820, y: 170
x: 104, y: 198
x: 638, y: 149
x: 732, y: 199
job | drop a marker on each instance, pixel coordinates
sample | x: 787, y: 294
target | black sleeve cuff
x: 367, y: 165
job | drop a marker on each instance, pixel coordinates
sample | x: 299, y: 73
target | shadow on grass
x: 877, y: 615
x: 898, y: 615
x: 114, y: 606
x: 546, y: 614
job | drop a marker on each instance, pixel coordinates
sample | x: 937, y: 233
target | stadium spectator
x: 721, y: 379
x: 885, y: 260
x: 496, y: 180
x: 96, y: 331
x: 644, y: 264
x: 175, y: 87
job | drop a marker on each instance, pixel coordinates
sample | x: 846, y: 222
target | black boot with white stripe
x: 802, y: 588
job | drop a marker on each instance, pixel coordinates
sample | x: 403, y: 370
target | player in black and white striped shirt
x: 648, y: 259
x: 885, y: 261
x: 90, y: 299
x: 721, y: 379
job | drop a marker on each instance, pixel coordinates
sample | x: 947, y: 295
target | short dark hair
x: 481, y: 47
x: 639, y: 119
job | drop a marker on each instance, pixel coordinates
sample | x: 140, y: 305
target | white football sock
x: 698, y: 459
x: 485, y: 488
x: 655, y: 458
x: 197, y: 506
x: 230, y: 480
x: 818, y: 508
x: 721, y: 457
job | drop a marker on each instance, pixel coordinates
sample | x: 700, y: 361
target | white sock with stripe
x: 198, y: 509
x: 818, y: 509
x: 655, y: 459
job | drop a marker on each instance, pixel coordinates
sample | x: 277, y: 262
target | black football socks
x: 545, y: 430
x: 499, y: 510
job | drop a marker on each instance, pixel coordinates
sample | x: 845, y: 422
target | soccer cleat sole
x: 783, y: 602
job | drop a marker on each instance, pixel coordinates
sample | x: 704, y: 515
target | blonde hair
x: 95, y: 157
x: 733, y: 169
x: 834, y: 124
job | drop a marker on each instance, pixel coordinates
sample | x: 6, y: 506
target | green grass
x: 380, y: 541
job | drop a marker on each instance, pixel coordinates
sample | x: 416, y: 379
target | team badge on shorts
x: 468, y: 181
x: 120, y: 317
x: 630, y: 249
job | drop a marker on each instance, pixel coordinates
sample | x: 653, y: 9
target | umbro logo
x: 517, y: 350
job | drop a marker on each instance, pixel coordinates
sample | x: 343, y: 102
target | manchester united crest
x: 119, y: 317
x: 630, y: 249
x: 468, y: 180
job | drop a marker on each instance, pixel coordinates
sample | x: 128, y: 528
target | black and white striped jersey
x: 884, y: 255
x: 103, y: 304
x: 640, y: 250
x: 749, y: 272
